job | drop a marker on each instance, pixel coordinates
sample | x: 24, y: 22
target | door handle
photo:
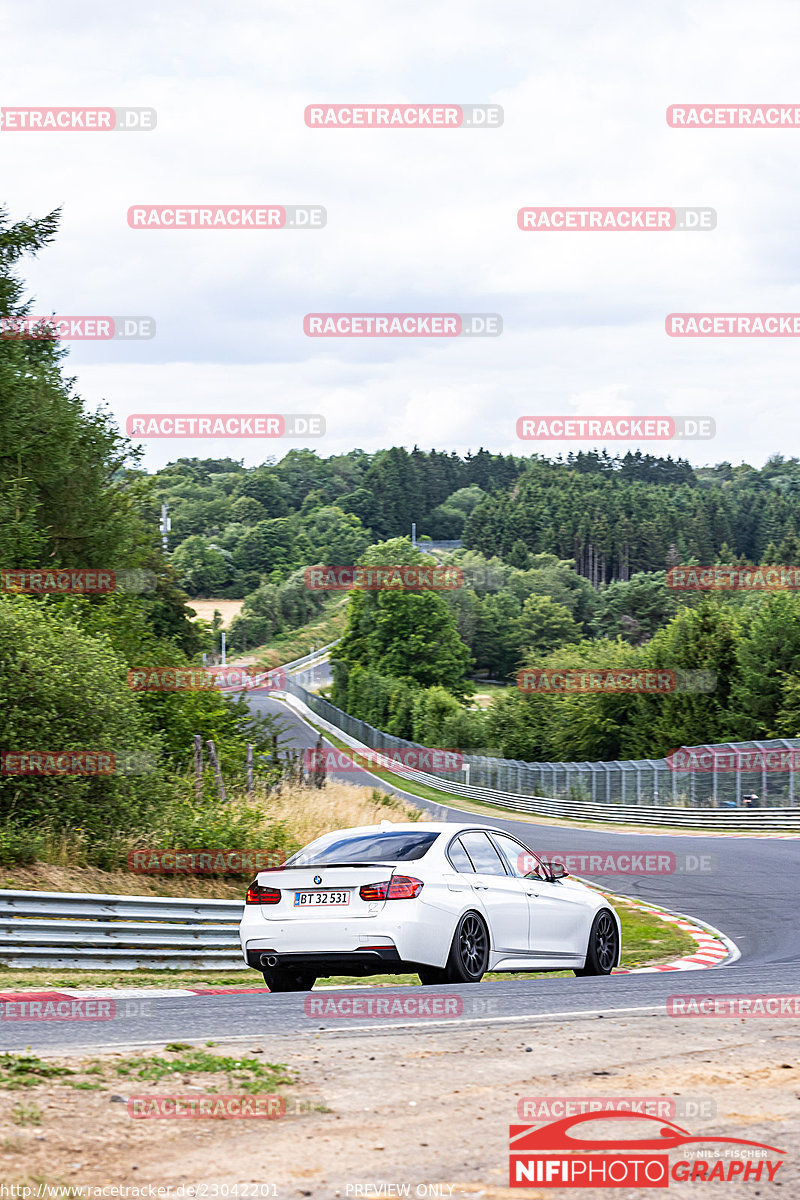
x: 481, y: 887
x: 532, y: 893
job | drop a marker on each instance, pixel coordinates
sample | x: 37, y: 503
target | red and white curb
x: 713, y: 947
x: 130, y: 993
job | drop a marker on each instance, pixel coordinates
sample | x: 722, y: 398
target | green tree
x: 636, y: 608
x: 518, y: 555
x: 267, y: 546
x: 497, y: 645
x: 248, y: 511
x: 264, y: 485
x: 766, y: 654
x: 63, y: 499
x: 700, y: 639
x: 407, y: 634
x: 548, y: 724
x: 543, y: 625
x: 63, y: 690
x: 335, y: 537
x: 787, y: 720
x: 205, y: 569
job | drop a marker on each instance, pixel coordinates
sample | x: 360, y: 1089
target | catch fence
x: 721, y: 776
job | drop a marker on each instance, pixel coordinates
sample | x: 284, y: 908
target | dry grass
x: 47, y: 877
x: 228, y: 609
x: 336, y: 806
x: 304, y: 813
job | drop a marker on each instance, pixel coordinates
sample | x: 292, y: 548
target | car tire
x: 469, y: 953
x: 278, y: 979
x: 429, y: 976
x: 602, y: 951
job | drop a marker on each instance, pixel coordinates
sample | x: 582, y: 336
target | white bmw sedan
x: 446, y: 901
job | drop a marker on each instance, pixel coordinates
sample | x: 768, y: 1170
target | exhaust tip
x: 269, y: 960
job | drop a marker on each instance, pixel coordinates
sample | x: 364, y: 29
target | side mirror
x: 555, y: 870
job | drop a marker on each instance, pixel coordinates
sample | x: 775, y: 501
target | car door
x: 557, y: 914
x: 502, y: 895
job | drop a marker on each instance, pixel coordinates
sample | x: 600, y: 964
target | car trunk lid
x: 324, y: 892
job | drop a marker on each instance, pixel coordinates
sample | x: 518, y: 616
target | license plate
x: 315, y: 899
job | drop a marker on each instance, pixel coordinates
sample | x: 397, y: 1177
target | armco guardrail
x: 104, y: 933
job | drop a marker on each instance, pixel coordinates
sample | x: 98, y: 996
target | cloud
x: 417, y: 221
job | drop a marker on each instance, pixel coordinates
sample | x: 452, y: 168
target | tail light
x: 399, y: 887
x: 256, y: 894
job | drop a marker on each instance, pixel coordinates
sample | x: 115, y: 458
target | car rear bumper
x: 409, y: 933
x: 379, y: 961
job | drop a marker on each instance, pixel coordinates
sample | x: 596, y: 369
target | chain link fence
x: 759, y: 774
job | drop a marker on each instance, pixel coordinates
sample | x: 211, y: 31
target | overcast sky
x: 417, y: 220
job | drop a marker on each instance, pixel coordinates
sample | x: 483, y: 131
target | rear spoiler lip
x: 389, y: 866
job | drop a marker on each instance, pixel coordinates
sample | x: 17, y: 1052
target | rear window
x: 364, y: 848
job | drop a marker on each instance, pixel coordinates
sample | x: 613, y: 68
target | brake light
x: 399, y: 887
x: 257, y: 894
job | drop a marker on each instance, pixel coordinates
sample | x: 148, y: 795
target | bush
x: 62, y: 690
x: 19, y: 844
x: 190, y: 824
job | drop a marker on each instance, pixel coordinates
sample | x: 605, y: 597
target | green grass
x: 27, y: 1070
x: 241, y: 1074
x: 26, y: 1114
x: 69, y: 977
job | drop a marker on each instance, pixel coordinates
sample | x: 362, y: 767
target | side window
x: 483, y: 854
x: 459, y: 858
x: 521, y: 860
